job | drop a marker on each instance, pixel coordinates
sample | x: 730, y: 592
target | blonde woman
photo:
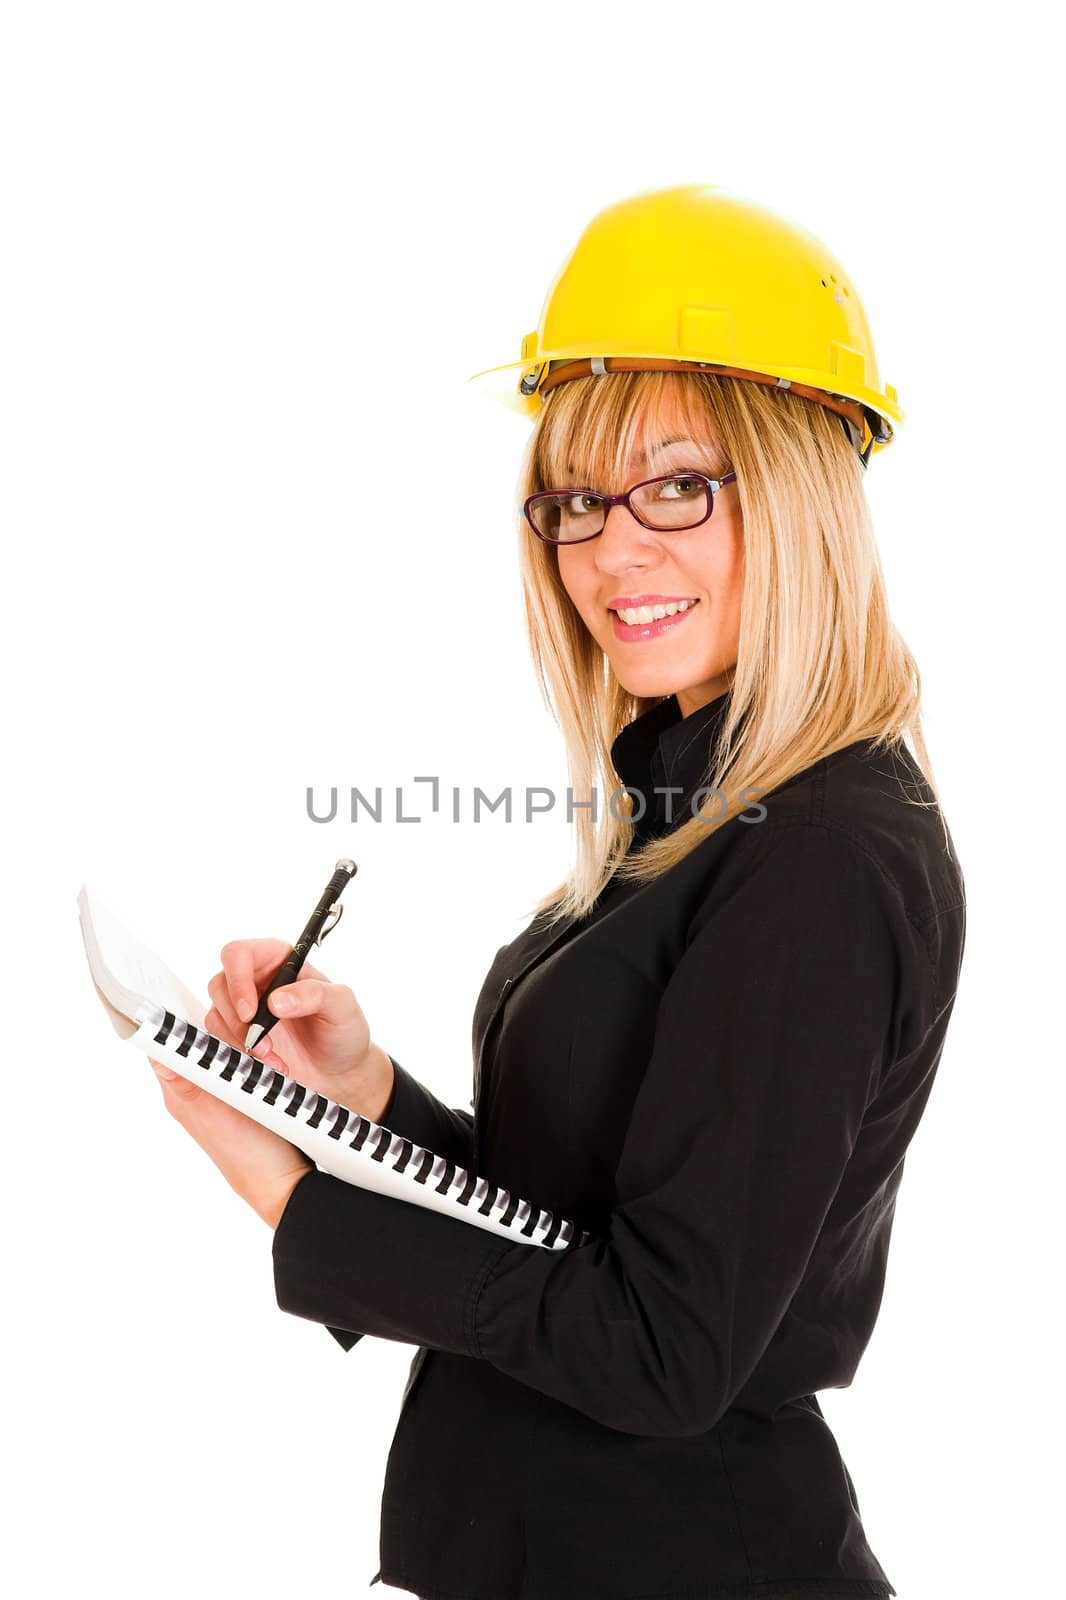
x: 714, y: 1042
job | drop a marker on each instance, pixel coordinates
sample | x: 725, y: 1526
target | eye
x: 684, y: 487
x: 577, y: 504
x: 573, y: 504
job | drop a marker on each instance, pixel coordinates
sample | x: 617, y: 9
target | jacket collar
x: 661, y: 749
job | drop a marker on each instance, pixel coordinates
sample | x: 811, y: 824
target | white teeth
x: 654, y: 613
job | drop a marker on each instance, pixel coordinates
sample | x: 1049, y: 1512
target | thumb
x: 333, y: 1002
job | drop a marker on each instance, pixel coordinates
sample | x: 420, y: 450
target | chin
x: 650, y: 684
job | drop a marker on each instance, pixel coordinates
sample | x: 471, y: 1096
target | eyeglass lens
x: 675, y: 502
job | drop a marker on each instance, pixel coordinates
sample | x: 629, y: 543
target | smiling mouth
x: 646, y: 613
x: 647, y: 627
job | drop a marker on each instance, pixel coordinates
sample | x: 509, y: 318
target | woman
x: 715, y: 1040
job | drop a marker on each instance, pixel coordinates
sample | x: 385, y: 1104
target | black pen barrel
x: 289, y: 970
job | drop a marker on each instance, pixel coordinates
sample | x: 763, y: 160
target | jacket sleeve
x: 770, y: 1036
x: 417, y: 1114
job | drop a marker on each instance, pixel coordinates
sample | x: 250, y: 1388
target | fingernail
x: 281, y: 1002
x: 161, y: 1071
x: 245, y: 1010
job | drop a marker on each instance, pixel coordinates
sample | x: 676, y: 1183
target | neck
x: 690, y: 700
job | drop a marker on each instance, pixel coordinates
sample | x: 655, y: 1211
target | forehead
x: 597, y: 450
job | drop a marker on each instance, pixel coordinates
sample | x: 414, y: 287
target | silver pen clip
x: 333, y: 916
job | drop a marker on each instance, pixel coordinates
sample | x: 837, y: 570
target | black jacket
x: 718, y: 1074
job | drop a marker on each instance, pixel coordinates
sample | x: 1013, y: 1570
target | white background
x: 250, y: 255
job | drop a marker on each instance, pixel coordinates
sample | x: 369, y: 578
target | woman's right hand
x: 323, y: 1040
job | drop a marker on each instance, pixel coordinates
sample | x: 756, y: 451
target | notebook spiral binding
x: 482, y: 1203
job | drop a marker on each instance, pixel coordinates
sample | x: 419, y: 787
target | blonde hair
x: 820, y: 664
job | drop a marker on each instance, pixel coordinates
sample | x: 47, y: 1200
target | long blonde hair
x: 820, y: 665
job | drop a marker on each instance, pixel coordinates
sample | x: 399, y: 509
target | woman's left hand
x: 260, y: 1165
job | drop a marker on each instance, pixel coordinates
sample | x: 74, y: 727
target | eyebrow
x: 681, y: 439
x: 642, y: 455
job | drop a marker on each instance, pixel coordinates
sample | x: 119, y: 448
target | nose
x: 621, y: 540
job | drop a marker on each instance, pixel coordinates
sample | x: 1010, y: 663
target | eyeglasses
x: 666, y: 505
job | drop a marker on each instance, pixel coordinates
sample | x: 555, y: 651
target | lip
x: 630, y: 633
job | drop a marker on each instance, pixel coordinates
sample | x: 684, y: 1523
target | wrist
x: 273, y: 1211
x: 376, y: 1081
x: 366, y: 1088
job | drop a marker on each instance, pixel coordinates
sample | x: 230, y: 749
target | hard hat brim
x: 496, y: 383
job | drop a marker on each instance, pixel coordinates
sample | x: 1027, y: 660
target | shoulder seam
x: 919, y: 924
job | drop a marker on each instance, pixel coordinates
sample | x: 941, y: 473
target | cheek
x: 728, y: 574
x: 733, y: 590
x: 738, y: 573
x: 577, y: 578
x: 713, y: 569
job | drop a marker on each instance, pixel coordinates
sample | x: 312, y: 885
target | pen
x: 323, y: 919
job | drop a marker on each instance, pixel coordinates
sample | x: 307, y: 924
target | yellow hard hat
x: 691, y: 278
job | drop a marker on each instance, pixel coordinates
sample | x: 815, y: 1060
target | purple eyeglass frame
x: 609, y: 500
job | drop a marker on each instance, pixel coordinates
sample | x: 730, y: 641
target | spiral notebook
x: 153, y: 1010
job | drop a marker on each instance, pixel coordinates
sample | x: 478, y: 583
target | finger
x: 304, y: 1008
x: 308, y: 971
x: 263, y: 1048
x: 246, y: 962
x: 247, y: 967
x: 230, y: 1033
x: 332, y: 1002
x: 218, y: 989
x: 266, y: 1053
